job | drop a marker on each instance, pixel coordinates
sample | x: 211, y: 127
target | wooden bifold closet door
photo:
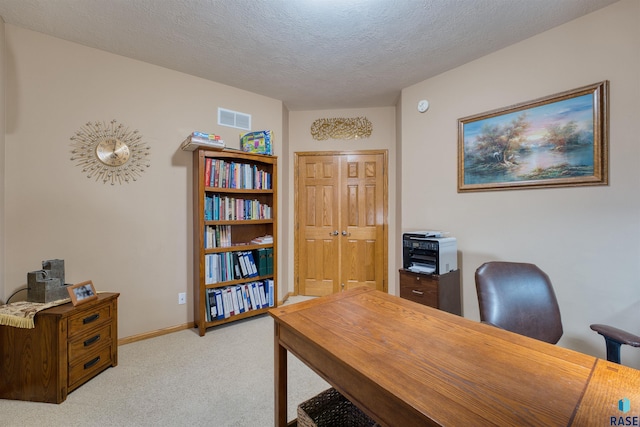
x: 341, y: 221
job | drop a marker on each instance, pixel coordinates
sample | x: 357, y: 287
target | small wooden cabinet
x: 68, y: 346
x: 437, y: 291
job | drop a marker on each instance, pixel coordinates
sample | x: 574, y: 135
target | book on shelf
x: 220, y: 307
x: 222, y: 208
x: 220, y: 173
x: 263, y: 240
x: 227, y: 266
x: 217, y: 236
x: 251, y: 264
x: 263, y: 294
x: 213, y: 312
x: 205, y: 140
x: 228, y: 301
x: 262, y: 261
x: 270, y: 292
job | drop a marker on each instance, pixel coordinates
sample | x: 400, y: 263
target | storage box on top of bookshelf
x: 234, y: 210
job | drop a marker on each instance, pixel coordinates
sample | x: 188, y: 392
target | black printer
x: 428, y: 252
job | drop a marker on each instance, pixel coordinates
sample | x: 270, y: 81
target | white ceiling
x: 312, y: 54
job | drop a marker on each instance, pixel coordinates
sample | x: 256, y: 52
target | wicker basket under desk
x: 331, y: 409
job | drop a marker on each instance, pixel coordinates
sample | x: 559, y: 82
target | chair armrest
x: 618, y: 335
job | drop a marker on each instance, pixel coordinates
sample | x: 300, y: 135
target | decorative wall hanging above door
x: 110, y: 152
x: 341, y: 128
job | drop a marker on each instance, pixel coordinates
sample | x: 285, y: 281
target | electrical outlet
x: 182, y: 298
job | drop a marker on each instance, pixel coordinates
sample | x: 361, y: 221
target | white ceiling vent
x: 234, y: 119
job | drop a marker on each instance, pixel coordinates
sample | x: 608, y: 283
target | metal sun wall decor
x: 110, y: 152
x: 341, y: 128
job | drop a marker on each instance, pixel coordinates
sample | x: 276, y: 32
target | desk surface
x: 408, y: 364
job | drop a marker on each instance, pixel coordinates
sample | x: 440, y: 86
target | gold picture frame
x: 560, y: 140
x: 82, y: 292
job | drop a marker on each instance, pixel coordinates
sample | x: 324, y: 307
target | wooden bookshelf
x: 229, y: 212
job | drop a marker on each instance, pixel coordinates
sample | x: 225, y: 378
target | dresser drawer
x: 81, y: 346
x: 422, y: 289
x: 88, y: 366
x: 437, y: 291
x: 87, y: 319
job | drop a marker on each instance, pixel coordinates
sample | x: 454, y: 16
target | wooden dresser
x: 68, y: 346
x: 438, y: 291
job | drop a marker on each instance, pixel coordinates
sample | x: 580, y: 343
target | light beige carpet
x: 181, y: 379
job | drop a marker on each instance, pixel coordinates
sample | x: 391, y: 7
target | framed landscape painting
x: 557, y: 141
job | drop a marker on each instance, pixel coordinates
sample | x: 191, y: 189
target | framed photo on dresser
x: 82, y: 292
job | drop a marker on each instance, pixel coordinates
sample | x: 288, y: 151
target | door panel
x: 362, y: 213
x: 318, y: 206
x: 341, y: 222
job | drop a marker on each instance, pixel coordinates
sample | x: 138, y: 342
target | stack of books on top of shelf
x: 263, y: 240
x: 204, y: 140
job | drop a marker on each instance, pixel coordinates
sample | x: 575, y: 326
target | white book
x: 219, y: 303
x: 245, y: 298
x: 252, y: 297
x: 234, y: 300
x: 256, y: 294
x: 263, y: 296
x: 228, y: 305
x: 271, y: 292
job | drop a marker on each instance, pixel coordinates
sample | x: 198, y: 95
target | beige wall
x: 383, y: 137
x: 2, y: 157
x: 587, y: 239
x: 135, y: 238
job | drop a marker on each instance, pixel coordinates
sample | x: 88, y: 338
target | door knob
x: 344, y: 233
x: 334, y: 233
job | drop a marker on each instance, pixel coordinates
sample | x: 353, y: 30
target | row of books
x: 222, y: 303
x: 223, y: 174
x: 218, y: 208
x: 226, y: 266
x: 217, y: 236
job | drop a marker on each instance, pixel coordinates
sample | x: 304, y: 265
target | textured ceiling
x: 312, y: 54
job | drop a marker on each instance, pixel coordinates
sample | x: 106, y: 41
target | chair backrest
x: 519, y: 297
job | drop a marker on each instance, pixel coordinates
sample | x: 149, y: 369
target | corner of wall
x: 2, y: 134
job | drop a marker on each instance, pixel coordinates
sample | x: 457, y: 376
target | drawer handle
x: 90, y: 341
x: 417, y: 292
x: 90, y: 319
x: 91, y: 362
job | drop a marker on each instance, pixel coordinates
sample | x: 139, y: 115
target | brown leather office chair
x: 518, y: 297
x: 614, y: 338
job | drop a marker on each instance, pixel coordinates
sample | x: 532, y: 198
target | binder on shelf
x: 251, y: 263
x: 269, y: 261
x: 256, y: 295
x: 213, y: 309
x: 220, y: 308
x: 263, y: 295
x: 228, y: 301
x: 252, y: 297
x: 262, y: 261
x: 271, y: 292
x: 233, y: 295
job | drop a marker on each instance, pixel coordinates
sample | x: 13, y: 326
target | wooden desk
x: 406, y: 364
